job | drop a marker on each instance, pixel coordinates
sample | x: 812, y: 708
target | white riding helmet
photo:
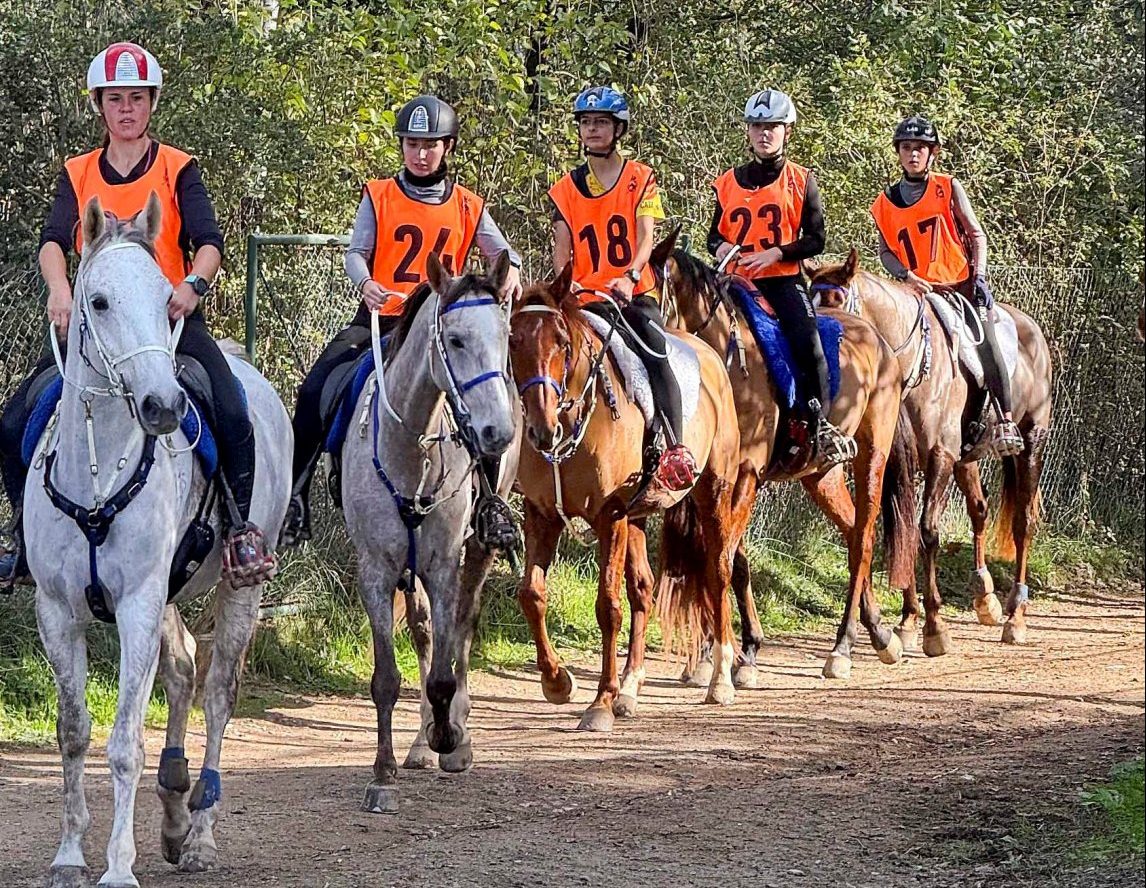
x: 124, y: 64
x: 770, y: 106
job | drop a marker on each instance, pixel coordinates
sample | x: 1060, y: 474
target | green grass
x: 1121, y: 827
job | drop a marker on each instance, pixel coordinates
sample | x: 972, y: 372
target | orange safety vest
x: 408, y: 231
x: 761, y: 218
x: 604, y: 228
x: 129, y: 198
x: 925, y: 236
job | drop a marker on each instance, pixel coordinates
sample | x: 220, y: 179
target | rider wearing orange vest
x: 400, y: 222
x: 929, y: 238
x: 124, y: 82
x: 604, y: 216
x: 770, y: 207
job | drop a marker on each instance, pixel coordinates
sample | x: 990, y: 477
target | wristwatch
x: 198, y: 283
x: 633, y: 275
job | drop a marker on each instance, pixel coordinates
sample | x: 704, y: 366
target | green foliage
x: 1121, y: 801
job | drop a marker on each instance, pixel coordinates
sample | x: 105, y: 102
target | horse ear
x: 811, y: 267
x: 437, y: 274
x: 499, y: 272
x: 851, y: 265
x: 562, y: 284
x: 663, y: 250
x: 148, y: 219
x: 94, y: 221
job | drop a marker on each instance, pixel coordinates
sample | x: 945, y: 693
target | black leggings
x: 309, y: 428
x: 797, y: 318
x: 995, y: 377
x: 644, y: 316
x: 229, y: 419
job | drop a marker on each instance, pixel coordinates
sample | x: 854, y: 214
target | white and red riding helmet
x: 124, y: 64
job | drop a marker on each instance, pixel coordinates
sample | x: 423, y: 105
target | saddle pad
x: 959, y: 333
x: 363, y: 369
x: 682, y: 359
x: 206, y: 448
x: 777, y: 351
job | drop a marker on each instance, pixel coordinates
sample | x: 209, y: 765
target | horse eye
x: 457, y: 342
x: 100, y: 303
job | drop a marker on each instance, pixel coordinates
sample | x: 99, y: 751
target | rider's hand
x: 60, y: 308
x: 511, y: 289
x: 374, y: 294
x: 723, y: 250
x: 918, y: 285
x: 621, y: 286
x: 760, y: 261
x: 184, y: 300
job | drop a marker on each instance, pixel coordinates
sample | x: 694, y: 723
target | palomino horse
x: 120, y: 400
x: 938, y: 403
x: 440, y: 400
x: 867, y: 408
x: 585, y: 462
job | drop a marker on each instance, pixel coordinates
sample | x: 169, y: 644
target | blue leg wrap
x: 173, y: 775
x: 208, y: 791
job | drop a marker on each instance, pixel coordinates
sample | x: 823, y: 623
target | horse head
x: 470, y: 338
x: 119, y: 330
x: 831, y: 282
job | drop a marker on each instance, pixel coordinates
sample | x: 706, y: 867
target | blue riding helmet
x: 602, y: 100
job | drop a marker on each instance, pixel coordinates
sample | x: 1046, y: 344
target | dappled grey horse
x: 117, y: 456
x: 439, y: 401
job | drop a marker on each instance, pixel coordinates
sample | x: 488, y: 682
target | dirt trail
x: 946, y: 772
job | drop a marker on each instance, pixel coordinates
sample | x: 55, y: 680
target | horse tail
x: 900, y: 527
x: 1002, y: 533
x: 684, y: 613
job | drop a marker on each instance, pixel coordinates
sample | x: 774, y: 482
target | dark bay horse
x: 938, y: 402
x: 867, y: 408
x: 584, y: 460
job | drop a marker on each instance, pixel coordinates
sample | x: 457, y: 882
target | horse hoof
x: 1013, y: 633
x: 746, y: 676
x: 380, y: 798
x: 893, y: 653
x: 598, y: 719
x: 172, y: 847
x: 561, y: 689
x: 198, y: 861
x: 908, y: 638
x: 420, y: 758
x: 459, y: 761
x: 625, y: 706
x: 937, y: 645
x: 721, y: 694
x: 700, y: 677
x: 837, y: 666
x: 989, y: 610
x: 69, y: 877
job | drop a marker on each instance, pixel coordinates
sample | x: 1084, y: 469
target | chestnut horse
x: 939, y: 400
x: 867, y: 407
x: 585, y: 458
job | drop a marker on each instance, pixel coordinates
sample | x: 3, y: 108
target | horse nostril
x: 181, y: 405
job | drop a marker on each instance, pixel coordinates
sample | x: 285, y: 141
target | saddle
x: 960, y: 329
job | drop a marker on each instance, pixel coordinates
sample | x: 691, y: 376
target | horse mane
x: 703, y: 278
x: 467, y: 283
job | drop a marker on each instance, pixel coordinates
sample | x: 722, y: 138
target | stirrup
x: 494, y: 525
x: 11, y: 562
x: 1008, y: 440
x: 677, y: 469
x: 834, y: 446
x: 247, y: 560
x: 296, y: 527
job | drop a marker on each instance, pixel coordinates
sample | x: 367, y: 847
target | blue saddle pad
x: 776, y: 349
x: 345, y: 413
x: 206, y: 448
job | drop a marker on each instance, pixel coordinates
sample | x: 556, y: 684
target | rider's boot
x: 493, y: 520
x: 248, y: 558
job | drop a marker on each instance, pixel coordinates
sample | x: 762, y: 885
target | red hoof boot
x: 677, y: 469
x: 247, y: 560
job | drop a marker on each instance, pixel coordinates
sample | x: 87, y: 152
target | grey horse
x: 121, y: 399
x: 440, y: 401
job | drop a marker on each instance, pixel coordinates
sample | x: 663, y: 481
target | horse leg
x: 746, y: 674
x: 981, y: 586
x: 376, y: 586
x: 541, y: 536
x: 65, y: 643
x: 936, y: 492
x: 236, y: 612
x: 612, y: 544
x: 140, y: 621
x: 177, y: 672
x: 420, y: 755
x: 714, y: 503
x: 1028, y: 470
x: 639, y: 587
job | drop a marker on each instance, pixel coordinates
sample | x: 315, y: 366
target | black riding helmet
x: 427, y: 117
x: 916, y: 129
